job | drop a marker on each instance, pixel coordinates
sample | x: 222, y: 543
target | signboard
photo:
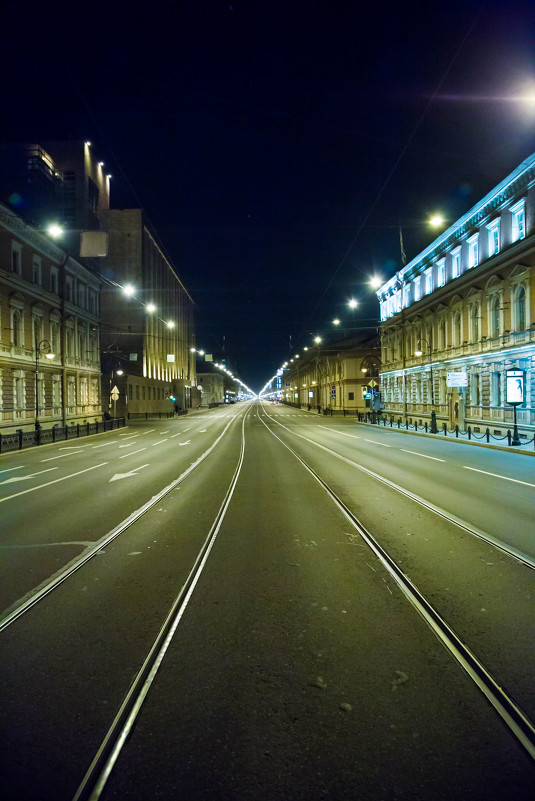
x: 457, y: 379
x: 372, y: 383
x: 514, y: 387
x: 114, y: 394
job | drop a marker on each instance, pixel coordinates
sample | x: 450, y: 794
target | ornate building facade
x: 465, y: 305
x: 49, y: 335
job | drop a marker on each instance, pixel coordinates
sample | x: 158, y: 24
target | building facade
x: 147, y: 336
x: 342, y: 377
x: 465, y: 306
x: 49, y: 332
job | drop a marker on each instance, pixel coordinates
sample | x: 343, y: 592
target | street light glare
x: 352, y: 303
x: 375, y: 281
x: 151, y: 308
x: 436, y: 220
x: 317, y: 339
x: 129, y: 290
x: 55, y: 230
x: 336, y: 321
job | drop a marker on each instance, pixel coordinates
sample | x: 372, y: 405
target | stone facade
x: 465, y: 305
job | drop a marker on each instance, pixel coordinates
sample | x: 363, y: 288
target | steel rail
x: 51, y: 584
x: 516, y: 720
x: 98, y: 773
x: 514, y: 553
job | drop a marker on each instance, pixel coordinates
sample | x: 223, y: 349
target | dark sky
x: 277, y: 146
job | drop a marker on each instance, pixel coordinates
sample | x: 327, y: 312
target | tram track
x: 516, y: 720
x: 514, y: 553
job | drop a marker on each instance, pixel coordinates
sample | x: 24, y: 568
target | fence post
x: 457, y: 431
x: 19, y: 431
x: 77, y: 429
x: 426, y: 426
x: 445, y: 429
x: 508, y: 437
x: 487, y: 432
x: 469, y: 432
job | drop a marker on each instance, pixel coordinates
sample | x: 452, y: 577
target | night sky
x: 278, y: 146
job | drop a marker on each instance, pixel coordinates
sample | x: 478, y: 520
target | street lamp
x: 45, y: 347
x: 419, y: 352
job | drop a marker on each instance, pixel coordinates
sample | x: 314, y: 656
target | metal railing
x: 19, y: 439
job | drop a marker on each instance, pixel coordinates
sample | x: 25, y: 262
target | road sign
x: 114, y: 395
x: 457, y: 379
x: 372, y: 383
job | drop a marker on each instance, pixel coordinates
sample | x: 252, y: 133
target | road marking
x: 63, y: 455
x: 73, y: 447
x: 25, y: 478
x: 128, y: 445
x: 126, y: 455
x: 105, y: 445
x: 202, y: 430
x: 342, y: 433
x: 9, y: 469
x: 130, y: 436
x: 175, y: 435
x: 55, y: 481
x: 184, y: 443
x: 505, y: 478
x: 423, y: 455
x: 186, y: 429
x: 165, y: 432
x: 160, y: 442
x: 377, y: 443
x: 133, y: 472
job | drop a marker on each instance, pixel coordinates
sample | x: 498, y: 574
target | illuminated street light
x: 317, y: 340
x: 436, y: 220
x: 129, y: 290
x: 55, y: 230
x: 352, y: 303
x: 336, y: 321
x: 375, y: 281
x: 151, y: 308
x: 170, y: 324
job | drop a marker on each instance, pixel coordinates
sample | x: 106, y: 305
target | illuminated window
x: 441, y: 272
x: 473, y: 251
x: 429, y: 281
x: 519, y: 309
x: 493, y: 232
x: 518, y: 215
x: 456, y: 262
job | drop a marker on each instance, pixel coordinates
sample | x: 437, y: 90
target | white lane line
x: 13, y: 479
x: 496, y: 475
x: 186, y: 429
x: 130, y: 436
x: 423, y: 455
x: 9, y: 469
x: 175, y: 435
x: 55, y: 481
x: 165, y: 432
x: 126, y: 455
x: 184, y: 443
x: 377, y: 443
x: 63, y: 455
x: 160, y: 442
x: 73, y: 447
x: 342, y: 433
x: 105, y: 444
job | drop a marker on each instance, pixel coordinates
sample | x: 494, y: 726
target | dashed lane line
x: 423, y: 455
x: 496, y: 475
x: 131, y: 453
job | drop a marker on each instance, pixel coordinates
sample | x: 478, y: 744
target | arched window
x: 457, y: 329
x: 475, y: 322
x: 16, y: 325
x: 495, y: 317
x: 520, y: 309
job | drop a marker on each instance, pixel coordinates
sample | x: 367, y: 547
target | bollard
x: 445, y: 429
x: 487, y: 432
x: 469, y: 432
x: 508, y: 437
x: 457, y: 431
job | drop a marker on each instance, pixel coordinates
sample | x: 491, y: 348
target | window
x: 518, y: 220
x: 137, y: 391
x: 81, y: 296
x: 69, y: 288
x: 520, y: 309
x: 457, y: 329
x: 17, y: 328
x: 442, y: 334
x: 475, y: 389
x: 16, y: 258
x: 84, y: 391
x: 54, y: 280
x: 473, y: 251
x: 456, y: 262
x: 441, y: 272
x: 351, y: 396
x: 406, y: 295
x: 493, y: 233
x: 36, y: 270
x: 41, y: 400
x: 429, y: 281
x: 474, y: 323
x: 37, y: 330
x: 19, y: 393
x: 130, y: 392
x: 71, y: 391
x: 56, y: 391
x: 417, y: 288
x: 494, y: 317
x: 496, y: 389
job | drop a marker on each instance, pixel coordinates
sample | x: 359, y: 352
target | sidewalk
x: 500, y: 444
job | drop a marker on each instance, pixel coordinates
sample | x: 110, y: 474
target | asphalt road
x: 298, y: 670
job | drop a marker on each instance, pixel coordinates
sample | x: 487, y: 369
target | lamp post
x: 45, y: 347
x: 419, y: 352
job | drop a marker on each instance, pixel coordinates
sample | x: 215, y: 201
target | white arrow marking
x: 25, y: 478
x: 184, y: 443
x: 117, y: 476
x: 202, y: 430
